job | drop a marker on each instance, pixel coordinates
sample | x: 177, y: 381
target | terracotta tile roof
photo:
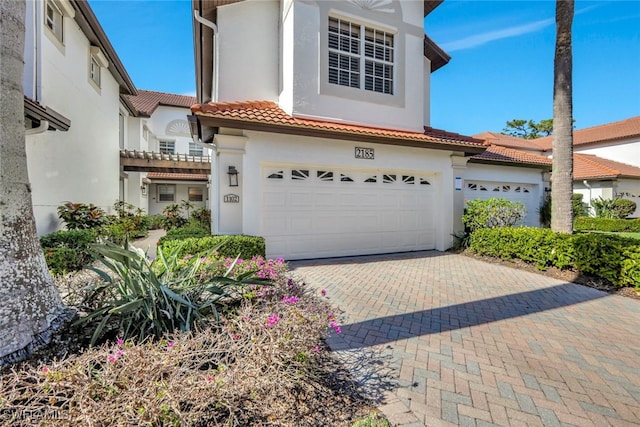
x: 178, y: 176
x: 509, y: 141
x: 588, y: 166
x: 611, y: 131
x: 497, y: 154
x: 267, y: 116
x: 147, y: 101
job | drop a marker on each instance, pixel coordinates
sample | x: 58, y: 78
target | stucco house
x: 160, y: 126
x: 606, y: 158
x: 72, y: 147
x: 325, y: 148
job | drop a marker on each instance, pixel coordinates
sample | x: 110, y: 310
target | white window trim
x: 360, y: 94
x: 361, y: 56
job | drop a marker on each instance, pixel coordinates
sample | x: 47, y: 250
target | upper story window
x: 94, y: 70
x: 97, y: 61
x: 195, y: 149
x: 53, y: 19
x: 360, y: 56
x: 167, y: 147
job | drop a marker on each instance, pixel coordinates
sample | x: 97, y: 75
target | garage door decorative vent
x: 408, y: 179
x: 299, y: 174
x: 345, y: 178
x: 372, y: 179
x: 388, y: 179
x: 424, y: 182
x: 325, y: 175
x: 276, y: 175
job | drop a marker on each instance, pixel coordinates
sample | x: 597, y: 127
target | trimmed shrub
x: 201, y: 216
x: 601, y: 255
x: 580, y: 208
x: 607, y: 224
x: 68, y: 250
x: 232, y: 246
x: 495, y: 212
x: 186, y: 232
x: 616, y: 259
x: 630, y: 273
x: 539, y: 246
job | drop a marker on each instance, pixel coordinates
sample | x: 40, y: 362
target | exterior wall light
x: 233, y: 176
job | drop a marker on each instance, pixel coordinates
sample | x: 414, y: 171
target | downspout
x: 37, y: 42
x: 214, y: 191
x: 44, y: 125
x: 214, y: 27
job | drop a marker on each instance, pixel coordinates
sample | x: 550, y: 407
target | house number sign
x: 364, y: 153
x: 231, y: 198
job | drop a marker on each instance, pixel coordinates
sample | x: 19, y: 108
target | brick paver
x: 472, y: 343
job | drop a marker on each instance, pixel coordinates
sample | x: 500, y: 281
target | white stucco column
x: 458, y: 166
x: 226, y: 199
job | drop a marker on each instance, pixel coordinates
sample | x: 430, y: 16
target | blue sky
x: 501, y: 66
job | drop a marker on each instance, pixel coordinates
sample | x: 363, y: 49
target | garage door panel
x: 314, y: 217
x: 274, y: 199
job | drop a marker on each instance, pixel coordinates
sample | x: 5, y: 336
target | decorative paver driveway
x: 474, y: 343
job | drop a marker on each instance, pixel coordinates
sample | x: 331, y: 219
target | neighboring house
x: 511, y: 174
x: 91, y: 136
x: 606, y: 158
x: 161, y: 127
x: 336, y: 157
x: 73, y: 83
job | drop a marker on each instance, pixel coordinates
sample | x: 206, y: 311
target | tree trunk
x: 562, y: 178
x: 29, y: 302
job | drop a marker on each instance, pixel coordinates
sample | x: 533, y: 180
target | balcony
x: 147, y: 161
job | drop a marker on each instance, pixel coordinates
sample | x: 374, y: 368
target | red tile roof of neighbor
x: 178, y: 176
x: 509, y: 141
x: 267, y: 116
x: 588, y: 166
x: 628, y: 128
x: 497, y: 154
x: 147, y: 101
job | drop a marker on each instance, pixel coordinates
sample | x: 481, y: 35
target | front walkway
x: 476, y: 344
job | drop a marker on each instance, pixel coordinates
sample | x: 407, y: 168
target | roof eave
x: 218, y: 122
x: 438, y: 57
x: 513, y: 163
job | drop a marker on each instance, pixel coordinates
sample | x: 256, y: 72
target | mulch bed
x: 565, y: 275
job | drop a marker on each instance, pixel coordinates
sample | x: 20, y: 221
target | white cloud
x: 480, y: 39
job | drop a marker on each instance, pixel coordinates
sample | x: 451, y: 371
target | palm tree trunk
x: 29, y: 302
x: 562, y: 178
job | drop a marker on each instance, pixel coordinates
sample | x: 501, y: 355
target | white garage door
x: 324, y: 212
x: 512, y: 191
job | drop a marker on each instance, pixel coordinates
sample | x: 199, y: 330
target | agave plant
x: 155, y: 298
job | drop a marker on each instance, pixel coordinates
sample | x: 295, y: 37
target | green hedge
x: 607, y: 224
x: 181, y: 233
x: 68, y: 250
x: 232, y: 246
x: 616, y: 259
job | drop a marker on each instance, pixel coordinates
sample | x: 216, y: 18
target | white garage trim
x: 314, y: 211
